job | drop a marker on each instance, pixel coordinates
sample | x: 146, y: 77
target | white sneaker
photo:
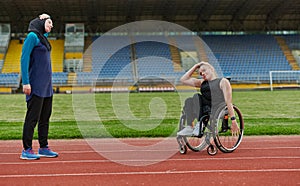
x: 196, y: 129
x: 187, y: 131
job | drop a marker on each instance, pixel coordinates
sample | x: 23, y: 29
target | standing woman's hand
x: 27, y: 89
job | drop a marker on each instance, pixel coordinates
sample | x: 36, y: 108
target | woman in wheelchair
x: 213, y: 92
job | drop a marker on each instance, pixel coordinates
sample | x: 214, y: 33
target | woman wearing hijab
x: 36, y: 73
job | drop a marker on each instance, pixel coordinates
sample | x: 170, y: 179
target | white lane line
x: 148, y: 173
x: 159, y: 150
x: 102, y: 151
x: 22, y: 162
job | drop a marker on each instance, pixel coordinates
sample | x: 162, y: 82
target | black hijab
x: 37, y: 26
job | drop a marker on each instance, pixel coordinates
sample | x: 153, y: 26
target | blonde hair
x: 202, y: 63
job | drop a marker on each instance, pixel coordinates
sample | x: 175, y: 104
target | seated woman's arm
x: 187, y: 78
x: 227, y: 91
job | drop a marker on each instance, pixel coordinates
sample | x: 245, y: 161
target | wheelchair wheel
x: 212, y: 150
x: 183, y: 149
x: 222, y: 133
x: 192, y: 142
x: 182, y: 145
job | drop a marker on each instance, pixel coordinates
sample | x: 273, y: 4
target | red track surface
x: 261, y: 160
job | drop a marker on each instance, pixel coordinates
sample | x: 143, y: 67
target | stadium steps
x: 87, y: 60
x: 287, y: 53
x: 12, y: 58
x: 57, y: 55
x: 87, y: 57
x: 201, y: 50
x: 175, y: 55
x: 73, y: 55
x: 71, y: 78
x: 133, y: 60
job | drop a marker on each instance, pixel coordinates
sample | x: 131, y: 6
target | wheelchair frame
x: 214, y: 127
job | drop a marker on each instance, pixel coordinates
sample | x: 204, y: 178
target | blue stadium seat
x: 112, y: 58
x: 247, y: 57
x: 292, y: 40
x: 59, y: 78
x: 10, y: 79
x: 153, y: 58
x: 86, y: 78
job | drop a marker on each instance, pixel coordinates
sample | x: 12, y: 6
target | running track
x: 262, y: 160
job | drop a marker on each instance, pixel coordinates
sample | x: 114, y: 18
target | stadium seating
x: 292, y: 40
x: 109, y: 61
x: 153, y: 58
x: 57, y: 54
x: 185, y: 42
x: 247, y: 57
x: 10, y: 80
x: 59, y: 78
x: 86, y: 78
x: 13, y: 56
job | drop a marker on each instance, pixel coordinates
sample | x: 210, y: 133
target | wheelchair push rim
x: 223, y: 138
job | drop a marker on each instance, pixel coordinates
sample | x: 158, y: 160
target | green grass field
x: 147, y: 114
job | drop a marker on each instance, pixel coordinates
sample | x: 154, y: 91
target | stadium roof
x: 196, y: 15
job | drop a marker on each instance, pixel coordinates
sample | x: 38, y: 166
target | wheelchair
x: 213, y: 132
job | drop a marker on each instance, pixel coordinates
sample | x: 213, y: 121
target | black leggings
x: 38, y: 111
x: 194, y: 108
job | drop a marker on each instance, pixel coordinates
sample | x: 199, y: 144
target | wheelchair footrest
x: 199, y: 130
